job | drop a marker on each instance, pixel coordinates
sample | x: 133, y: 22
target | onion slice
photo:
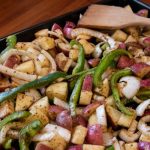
x: 51, y: 59
x: 141, y: 108
x: 17, y: 74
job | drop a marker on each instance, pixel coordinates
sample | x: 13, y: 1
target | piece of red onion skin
x: 142, y: 13
x: 55, y: 26
x: 70, y: 24
x: 67, y: 32
x: 122, y: 46
x: 144, y: 145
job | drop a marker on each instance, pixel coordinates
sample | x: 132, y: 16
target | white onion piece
x: 17, y: 74
x: 43, y: 136
x: 66, y: 134
x: 7, y: 54
x: 51, y: 59
x: 132, y: 85
x: 143, y: 127
x: 98, y: 51
x: 101, y: 116
x: 58, y: 36
x: 61, y: 103
x: 142, y: 107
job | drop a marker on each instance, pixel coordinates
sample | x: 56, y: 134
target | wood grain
x: 19, y: 14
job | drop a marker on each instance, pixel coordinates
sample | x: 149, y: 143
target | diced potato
x: 79, y: 135
x: 144, y: 138
x: 104, y: 89
x: 59, y: 90
x: 92, y: 147
x: 63, y: 62
x: 44, y: 71
x: 41, y: 104
x: 27, y: 67
x: 43, y: 60
x: 107, y: 138
x: 38, y: 114
x: 119, y: 35
x: 130, y: 39
x: 23, y: 102
x: 24, y: 45
x: 113, y: 115
x: 110, y: 101
x: 6, y: 108
x: 34, y: 93
x: 85, y: 97
x: 133, y: 31
x: 57, y: 143
x: 92, y: 119
x: 46, y: 42
x: 34, y: 51
x: 131, y: 146
x: 121, y: 143
x: 43, y: 32
x: 126, y: 120
x: 128, y: 7
x: 88, y: 47
x: 73, y: 54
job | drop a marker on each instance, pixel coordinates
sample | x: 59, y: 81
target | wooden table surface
x: 19, y: 14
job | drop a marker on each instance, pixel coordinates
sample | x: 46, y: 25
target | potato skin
x: 41, y: 146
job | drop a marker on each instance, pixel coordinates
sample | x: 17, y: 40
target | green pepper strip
x: 26, y: 134
x: 144, y: 93
x: 110, y: 148
x: 14, y: 116
x: 115, y: 77
x: 7, y: 144
x: 11, y: 42
x: 75, y: 95
x: 105, y: 62
x: 81, y: 59
x: 34, y: 84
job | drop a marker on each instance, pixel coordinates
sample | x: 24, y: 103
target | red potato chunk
x: 140, y: 69
x: 95, y: 135
x: 145, y: 83
x: 87, y: 83
x: 89, y: 109
x: 54, y: 111
x: 56, y: 27
x: 12, y: 61
x: 41, y: 146
x: 75, y: 147
x: 79, y: 120
x: 142, y: 13
x: 124, y: 62
x: 64, y: 120
x: 93, y: 62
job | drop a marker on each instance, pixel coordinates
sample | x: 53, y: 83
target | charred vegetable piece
x: 105, y: 62
x: 27, y: 133
x: 81, y: 59
x: 14, y: 116
x: 10, y: 42
x: 115, y: 77
x: 75, y: 95
x: 34, y: 84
